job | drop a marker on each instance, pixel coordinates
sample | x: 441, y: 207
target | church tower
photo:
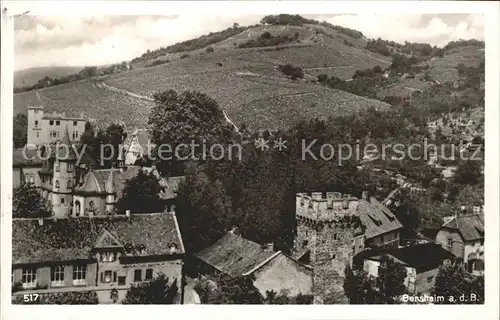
x: 328, y: 235
x: 63, y: 176
x: 110, y: 192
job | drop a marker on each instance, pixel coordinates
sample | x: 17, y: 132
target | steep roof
x: 414, y: 256
x: 90, y: 184
x: 100, y: 180
x: 65, y: 149
x: 471, y: 227
x: 72, y: 239
x: 234, y: 255
x: 377, y: 218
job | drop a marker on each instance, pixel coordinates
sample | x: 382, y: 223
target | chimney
x: 127, y: 213
x: 270, y: 247
x: 234, y: 230
x: 345, y: 203
x: 365, y: 196
x: 173, y: 248
x: 317, y: 195
x: 40, y: 221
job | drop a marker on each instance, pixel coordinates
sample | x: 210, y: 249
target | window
x: 70, y: 167
x: 77, y: 208
x: 137, y: 275
x: 56, y: 167
x: 57, y: 276
x: 121, y: 281
x: 69, y: 184
x: 51, y: 122
x: 333, y: 256
x: 80, y: 274
x: 305, y: 243
x: 36, y: 123
x: 334, y: 236
x: 38, y: 134
x: 29, y: 278
x: 75, y: 123
x: 62, y: 200
x: 149, y: 274
x: 58, y: 123
x: 107, y: 257
x: 106, y: 277
x: 57, y: 184
x: 429, y: 279
x: 450, y: 242
x: 75, y: 135
x: 114, y: 276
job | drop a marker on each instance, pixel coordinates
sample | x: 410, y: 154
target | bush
x: 266, y: 39
x: 322, y: 78
x: 184, y: 56
x: 209, y: 49
x: 293, y: 72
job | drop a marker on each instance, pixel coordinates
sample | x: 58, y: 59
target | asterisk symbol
x: 261, y: 144
x: 280, y: 144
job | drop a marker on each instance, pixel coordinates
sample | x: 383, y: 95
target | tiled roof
x: 414, y: 256
x: 234, y: 255
x: 471, y: 227
x: 376, y: 217
x: 65, y: 150
x: 90, y: 184
x: 120, y: 177
x: 73, y: 238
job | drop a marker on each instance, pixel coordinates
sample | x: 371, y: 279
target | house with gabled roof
x: 422, y: 263
x: 136, y: 146
x: 235, y: 256
x: 96, y: 254
x: 463, y: 235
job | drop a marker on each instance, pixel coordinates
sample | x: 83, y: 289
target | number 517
x: 31, y: 297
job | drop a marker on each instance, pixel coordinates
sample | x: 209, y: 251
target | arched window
x: 77, y: 208
x: 57, y: 183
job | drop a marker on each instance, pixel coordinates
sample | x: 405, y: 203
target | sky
x: 98, y: 40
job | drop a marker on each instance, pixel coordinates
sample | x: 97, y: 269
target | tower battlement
x: 325, y: 206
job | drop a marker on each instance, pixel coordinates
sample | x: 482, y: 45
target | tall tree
x: 236, y: 291
x: 468, y: 173
x: 157, y: 291
x: 27, y: 202
x: 390, y: 280
x: 20, y: 130
x: 141, y: 194
x: 458, y: 286
x: 198, y: 120
x: 203, y: 210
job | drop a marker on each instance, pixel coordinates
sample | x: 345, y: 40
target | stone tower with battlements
x: 328, y: 235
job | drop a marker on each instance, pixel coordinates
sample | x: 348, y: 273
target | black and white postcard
x: 250, y: 153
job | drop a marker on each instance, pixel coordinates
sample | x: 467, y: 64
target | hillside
x: 244, y: 81
x: 29, y: 77
x: 241, y: 69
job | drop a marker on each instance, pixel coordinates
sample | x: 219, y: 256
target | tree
x: 468, y: 173
x: 20, y: 130
x: 203, y: 210
x: 322, y: 78
x: 156, y: 291
x: 453, y: 282
x: 198, y: 120
x: 358, y: 287
x: 238, y: 290
x: 141, y: 194
x: 390, y: 280
x: 27, y: 202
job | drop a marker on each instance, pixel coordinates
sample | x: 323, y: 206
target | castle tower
x: 110, y: 192
x: 331, y: 232
x: 36, y: 126
x: 64, y: 176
